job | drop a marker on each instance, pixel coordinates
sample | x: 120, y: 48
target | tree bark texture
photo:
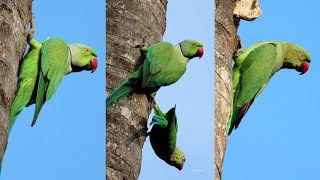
x: 129, y: 23
x: 226, y: 43
x: 15, y: 16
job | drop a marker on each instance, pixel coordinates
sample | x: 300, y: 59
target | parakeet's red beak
x: 94, y: 64
x: 304, y: 68
x: 200, y: 52
x: 181, y: 167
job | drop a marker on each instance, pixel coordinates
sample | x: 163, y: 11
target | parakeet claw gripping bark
x: 164, y: 65
x: 143, y: 47
x: 254, y: 68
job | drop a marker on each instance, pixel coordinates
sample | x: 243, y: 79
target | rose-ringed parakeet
x: 164, y: 65
x: 42, y: 69
x: 163, y: 137
x: 254, y: 68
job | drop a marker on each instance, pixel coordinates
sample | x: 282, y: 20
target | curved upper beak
x: 181, y: 167
x: 200, y: 52
x: 94, y: 64
x: 304, y: 68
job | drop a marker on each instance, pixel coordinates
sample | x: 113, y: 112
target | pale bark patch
x: 247, y: 9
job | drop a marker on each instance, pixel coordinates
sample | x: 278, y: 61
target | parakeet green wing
x: 256, y: 72
x: 164, y: 132
x: 157, y: 58
x: 28, y: 75
x: 53, y: 67
x: 173, y: 126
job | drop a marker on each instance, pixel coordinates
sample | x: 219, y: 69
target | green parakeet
x: 164, y: 65
x: 42, y: 69
x: 254, y: 68
x: 163, y: 137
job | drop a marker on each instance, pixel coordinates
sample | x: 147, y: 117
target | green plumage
x: 163, y: 137
x: 164, y: 65
x: 27, y: 80
x: 54, y: 64
x: 42, y: 69
x: 254, y: 68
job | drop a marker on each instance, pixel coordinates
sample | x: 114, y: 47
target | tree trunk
x: 129, y: 23
x: 226, y: 42
x: 14, y: 20
x: 227, y: 19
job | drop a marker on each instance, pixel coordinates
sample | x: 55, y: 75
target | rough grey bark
x: 227, y: 19
x: 226, y: 42
x: 15, y: 16
x: 129, y: 23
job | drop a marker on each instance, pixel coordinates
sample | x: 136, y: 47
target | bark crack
x: 217, y: 168
x: 132, y: 170
x: 223, y: 26
x: 223, y: 97
x: 225, y: 83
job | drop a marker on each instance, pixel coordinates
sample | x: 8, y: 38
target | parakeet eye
x: 193, y: 44
x: 302, y: 56
x: 86, y: 50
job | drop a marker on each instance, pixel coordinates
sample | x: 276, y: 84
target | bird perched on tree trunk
x: 254, y: 68
x: 42, y: 69
x: 164, y: 65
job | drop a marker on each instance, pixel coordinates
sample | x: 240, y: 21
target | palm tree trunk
x: 227, y: 19
x: 129, y: 23
x: 15, y: 16
x: 226, y: 42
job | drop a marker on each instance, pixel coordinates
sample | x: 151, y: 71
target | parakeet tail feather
x: 14, y: 114
x: 126, y: 88
x: 120, y: 92
x: 40, y: 100
x: 237, y: 116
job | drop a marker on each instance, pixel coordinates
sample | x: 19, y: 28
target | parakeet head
x: 297, y: 58
x: 177, y: 159
x: 191, y: 48
x: 83, y: 58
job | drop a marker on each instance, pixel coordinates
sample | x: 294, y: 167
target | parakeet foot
x: 143, y: 47
x: 159, y: 120
x: 152, y: 102
x: 144, y: 50
x: 153, y: 95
